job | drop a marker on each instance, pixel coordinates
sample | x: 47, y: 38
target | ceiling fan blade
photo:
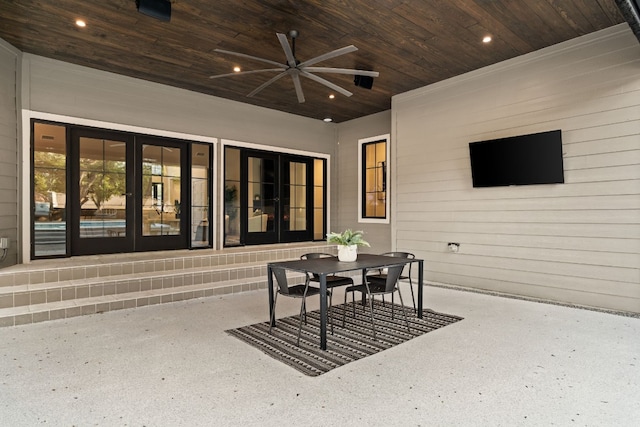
x: 326, y: 83
x: 244, y: 55
x: 328, y: 55
x: 296, y: 83
x: 341, y: 71
x: 284, y: 42
x: 265, y: 70
x: 267, y: 83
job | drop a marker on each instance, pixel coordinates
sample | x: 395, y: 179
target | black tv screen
x: 518, y: 160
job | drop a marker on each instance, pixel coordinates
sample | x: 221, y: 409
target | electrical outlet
x: 4, y: 242
x: 453, y: 247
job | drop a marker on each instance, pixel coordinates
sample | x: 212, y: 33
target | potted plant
x: 348, y: 242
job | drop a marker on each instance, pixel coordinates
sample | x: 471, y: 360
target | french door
x: 275, y: 202
x: 162, y: 201
x: 126, y: 193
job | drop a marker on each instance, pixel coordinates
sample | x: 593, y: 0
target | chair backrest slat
x: 393, y: 274
x: 281, y: 279
x: 408, y: 255
x: 400, y: 254
x: 316, y: 255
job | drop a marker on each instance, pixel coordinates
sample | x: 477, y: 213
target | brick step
x: 52, y: 289
x: 98, y: 304
x: 18, y: 295
x: 49, y: 271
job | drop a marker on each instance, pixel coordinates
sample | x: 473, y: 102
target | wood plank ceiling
x: 412, y: 43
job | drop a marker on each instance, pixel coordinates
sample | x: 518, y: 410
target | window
x: 49, y: 190
x: 373, y: 180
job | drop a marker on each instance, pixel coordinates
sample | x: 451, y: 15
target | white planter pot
x: 347, y: 253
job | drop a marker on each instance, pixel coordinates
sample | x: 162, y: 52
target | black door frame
x: 133, y: 239
x: 163, y: 242
x: 276, y: 230
x: 98, y: 245
x: 287, y: 235
x: 271, y: 234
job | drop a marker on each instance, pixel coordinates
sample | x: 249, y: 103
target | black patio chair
x: 371, y: 289
x: 300, y: 290
x: 381, y: 276
x: 333, y: 280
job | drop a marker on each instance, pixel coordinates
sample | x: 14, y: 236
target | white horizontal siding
x: 576, y: 242
x: 346, y: 183
x: 8, y: 150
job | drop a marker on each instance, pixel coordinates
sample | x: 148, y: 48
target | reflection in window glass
x: 49, y: 190
x: 103, y: 172
x: 200, y: 195
x: 295, y: 207
x: 231, y: 196
x: 318, y: 199
x: 261, y: 195
x: 161, y: 199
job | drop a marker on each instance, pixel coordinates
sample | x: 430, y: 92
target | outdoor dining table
x: 327, y: 266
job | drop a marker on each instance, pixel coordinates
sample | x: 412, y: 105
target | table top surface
x: 333, y: 265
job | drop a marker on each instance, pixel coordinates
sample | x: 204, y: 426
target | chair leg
x: 303, y: 308
x: 330, y: 310
x: 273, y: 312
x: 373, y: 327
x: 353, y: 302
x: 344, y: 309
x: 403, y: 310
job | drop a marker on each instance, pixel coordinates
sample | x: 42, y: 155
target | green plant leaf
x: 348, y: 238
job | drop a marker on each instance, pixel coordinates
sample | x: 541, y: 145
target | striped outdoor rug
x: 347, y: 344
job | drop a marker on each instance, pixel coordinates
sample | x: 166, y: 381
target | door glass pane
x: 49, y: 190
x: 261, y: 193
x: 318, y: 199
x: 161, y: 198
x: 295, y: 201
x: 102, y: 188
x: 231, y: 196
x: 200, y: 195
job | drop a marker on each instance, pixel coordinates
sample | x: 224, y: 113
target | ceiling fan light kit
x: 294, y: 68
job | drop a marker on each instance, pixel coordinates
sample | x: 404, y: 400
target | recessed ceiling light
x: 327, y: 119
x: 332, y: 96
x: 236, y: 69
x: 486, y: 39
x: 81, y: 23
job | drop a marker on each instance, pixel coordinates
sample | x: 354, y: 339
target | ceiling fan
x: 295, y: 68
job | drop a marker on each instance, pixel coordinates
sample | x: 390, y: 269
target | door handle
x: 127, y: 194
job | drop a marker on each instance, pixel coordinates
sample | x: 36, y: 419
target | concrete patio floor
x: 510, y: 362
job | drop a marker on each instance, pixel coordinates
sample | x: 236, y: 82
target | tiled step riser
x: 114, y: 286
x: 48, y: 290
x: 36, y: 275
x: 88, y: 306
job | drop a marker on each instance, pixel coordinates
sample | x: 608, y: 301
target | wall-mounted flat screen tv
x: 518, y: 160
